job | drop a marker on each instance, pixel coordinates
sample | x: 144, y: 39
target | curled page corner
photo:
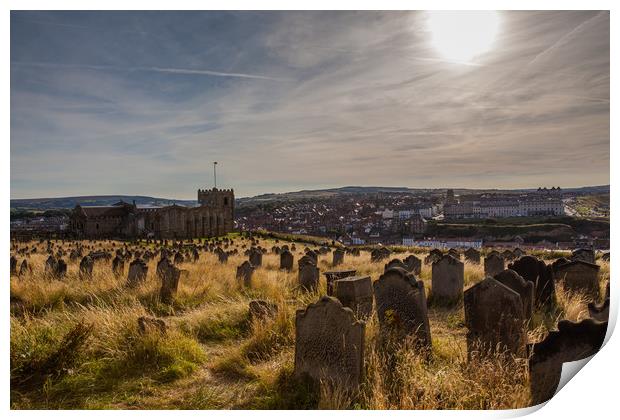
x: 569, y: 370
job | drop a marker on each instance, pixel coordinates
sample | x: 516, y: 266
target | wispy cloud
x: 305, y: 99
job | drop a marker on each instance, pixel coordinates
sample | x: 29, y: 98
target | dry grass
x: 214, y: 356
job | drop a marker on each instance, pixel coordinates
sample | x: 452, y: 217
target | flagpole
x: 214, y: 175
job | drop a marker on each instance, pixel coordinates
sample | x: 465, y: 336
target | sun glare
x: 463, y: 35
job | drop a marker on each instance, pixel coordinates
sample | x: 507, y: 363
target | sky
x: 143, y: 102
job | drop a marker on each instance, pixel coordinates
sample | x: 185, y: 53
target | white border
x: 593, y: 394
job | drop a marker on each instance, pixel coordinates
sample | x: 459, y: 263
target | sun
x: 463, y: 35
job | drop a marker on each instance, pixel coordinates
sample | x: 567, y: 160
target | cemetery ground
x: 76, y: 343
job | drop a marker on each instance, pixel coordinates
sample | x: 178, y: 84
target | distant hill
x: 92, y: 200
x: 103, y: 200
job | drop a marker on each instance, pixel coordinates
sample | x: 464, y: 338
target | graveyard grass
x: 75, y: 343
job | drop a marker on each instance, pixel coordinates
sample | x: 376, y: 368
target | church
x: 214, y: 216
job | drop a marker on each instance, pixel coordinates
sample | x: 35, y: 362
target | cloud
x: 325, y: 99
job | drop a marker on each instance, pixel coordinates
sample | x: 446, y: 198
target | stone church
x: 214, y: 216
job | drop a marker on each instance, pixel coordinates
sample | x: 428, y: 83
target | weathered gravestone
x: 178, y: 258
x: 308, y: 277
x: 579, y: 276
x: 454, y: 253
x: 572, y: 342
x: 118, y: 266
x: 524, y: 288
x: 332, y: 276
x: 581, y: 254
x: 169, y: 276
x: 355, y: 293
x: 414, y: 264
x: 86, y: 267
x: 337, y: 257
x: 472, y: 255
x: 329, y: 345
x: 494, y: 319
x: 50, y: 265
x: 448, y: 279
x: 60, y: 269
x: 255, y: 257
x: 534, y: 270
x: 286, y: 260
x: 401, y: 306
x: 137, y: 273
x: 493, y: 264
x: 508, y: 255
x: 244, y: 273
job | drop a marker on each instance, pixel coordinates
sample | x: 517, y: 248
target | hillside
x: 91, y: 200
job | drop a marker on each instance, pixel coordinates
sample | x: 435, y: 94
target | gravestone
x: 308, y: 277
x: 13, y: 265
x: 581, y: 254
x: 355, y: 293
x: 472, y: 255
x: 24, y: 268
x: 448, y: 279
x: 332, y: 276
x: 60, y: 269
x: 329, y: 345
x: 286, y: 260
x: 244, y: 273
x: 50, y: 265
x: 572, y: 342
x: 493, y: 264
x: 86, y: 267
x: 395, y: 263
x: 414, y: 264
x: 433, y: 256
x: 599, y: 312
x: 118, y: 266
x: 337, y: 257
x: 508, y: 255
x: 222, y: 257
x: 169, y: 281
x: 534, y: 270
x: 579, y: 276
x: 379, y: 254
x: 494, y: 319
x: 178, y: 258
x: 401, y: 306
x: 454, y: 253
x: 525, y: 289
x: 137, y: 273
x: 255, y: 258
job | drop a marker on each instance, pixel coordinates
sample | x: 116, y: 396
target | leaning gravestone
x: 137, y: 273
x: 332, y: 276
x: 355, y: 293
x: 401, y: 306
x: 448, y: 279
x: 244, y: 273
x: 493, y: 264
x: 579, y: 276
x: 286, y: 260
x: 494, y: 319
x: 534, y: 270
x: 572, y: 342
x: 329, y: 345
x: 525, y: 289
x: 24, y: 268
